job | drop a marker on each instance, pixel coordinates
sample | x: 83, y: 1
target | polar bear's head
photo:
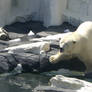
x: 67, y: 44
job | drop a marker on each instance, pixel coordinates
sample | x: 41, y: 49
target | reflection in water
x: 22, y: 83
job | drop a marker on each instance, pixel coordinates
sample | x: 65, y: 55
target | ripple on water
x: 23, y: 82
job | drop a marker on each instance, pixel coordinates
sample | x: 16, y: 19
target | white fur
x: 82, y: 49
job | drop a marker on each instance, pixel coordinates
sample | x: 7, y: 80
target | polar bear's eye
x: 74, y: 42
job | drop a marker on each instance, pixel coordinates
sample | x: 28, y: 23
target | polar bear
x: 77, y: 44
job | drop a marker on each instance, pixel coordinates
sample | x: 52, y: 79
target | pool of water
x: 22, y: 83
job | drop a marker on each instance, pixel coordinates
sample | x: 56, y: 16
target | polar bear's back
x: 85, y: 29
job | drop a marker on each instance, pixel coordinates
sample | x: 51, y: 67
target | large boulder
x: 61, y: 83
x: 32, y: 62
x: 4, y: 34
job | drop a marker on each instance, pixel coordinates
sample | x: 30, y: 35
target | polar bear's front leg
x: 56, y: 58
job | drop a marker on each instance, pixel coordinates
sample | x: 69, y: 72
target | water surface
x: 22, y: 83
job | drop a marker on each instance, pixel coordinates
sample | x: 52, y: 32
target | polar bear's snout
x: 62, y: 49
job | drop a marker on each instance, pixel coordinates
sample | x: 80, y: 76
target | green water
x: 22, y: 83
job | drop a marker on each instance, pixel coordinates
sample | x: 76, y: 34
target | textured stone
x: 51, y: 89
x: 78, y: 85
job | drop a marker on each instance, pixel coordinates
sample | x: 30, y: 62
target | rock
x: 35, y: 62
x: 3, y: 34
x: 35, y: 38
x: 65, y: 72
x: 52, y: 37
x: 51, y: 89
x: 78, y: 85
x: 46, y: 33
x: 36, y: 48
x: 88, y: 75
x: 23, y: 38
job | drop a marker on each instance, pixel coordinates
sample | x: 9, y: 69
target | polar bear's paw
x: 53, y: 59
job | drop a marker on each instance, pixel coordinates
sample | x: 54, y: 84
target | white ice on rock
x: 31, y: 47
x: 78, y: 85
x: 49, y: 38
x: 35, y: 45
x: 31, y: 33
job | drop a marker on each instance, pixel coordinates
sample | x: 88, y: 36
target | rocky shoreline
x: 61, y: 83
x: 14, y: 63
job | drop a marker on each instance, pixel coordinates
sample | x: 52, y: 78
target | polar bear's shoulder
x: 85, y: 28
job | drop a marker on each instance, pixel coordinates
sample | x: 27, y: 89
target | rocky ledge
x: 13, y: 61
x: 60, y: 83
